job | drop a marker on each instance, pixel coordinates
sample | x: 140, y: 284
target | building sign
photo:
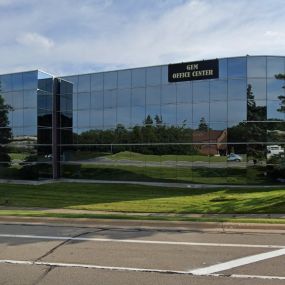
x: 198, y: 70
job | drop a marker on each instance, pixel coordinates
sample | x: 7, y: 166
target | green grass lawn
x: 157, y: 158
x: 138, y: 198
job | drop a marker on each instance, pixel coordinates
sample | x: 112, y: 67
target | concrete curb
x: 167, y: 225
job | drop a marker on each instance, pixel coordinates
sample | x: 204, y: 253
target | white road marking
x: 237, y: 262
x: 249, y: 276
x: 142, y: 241
x: 132, y: 269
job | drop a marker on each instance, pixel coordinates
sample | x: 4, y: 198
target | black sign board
x: 198, y: 70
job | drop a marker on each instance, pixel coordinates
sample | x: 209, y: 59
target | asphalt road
x: 66, y: 254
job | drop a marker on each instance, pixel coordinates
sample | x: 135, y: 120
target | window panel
x: 237, y: 89
x: 153, y: 95
x: 110, y: 118
x: 218, y: 90
x: 275, y: 65
x: 96, y: 118
x: 110, y: 99
x: 201, y: 110
x: 124, y: 79
x: 257, y: 88
x: 201, y: 91
x: 275, y: 88
x: 184, y: 114
x: 84, y: 83
x: 84, y: 100
x: 168, y: 94
x: 237, y: 67
x: 97, y: 100
x: 153, y: 75
x: 97, y: 82
x: 237, y: 111
x: 138, y: 77
x: 184, y: 92
x: 110, y: 80
x: 138, y: 97
x: 124, y: 98
x: 30, y: 117
x: 218, y: 111
x: 168, y: 114
x: 30, y: 80
x: 256, y: 66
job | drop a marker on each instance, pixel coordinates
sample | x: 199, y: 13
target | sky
x: 66, y: 37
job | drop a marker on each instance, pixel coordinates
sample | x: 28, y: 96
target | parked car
x: 274, y: 150
x: 234, y: 157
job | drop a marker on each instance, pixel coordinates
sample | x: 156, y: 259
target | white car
x: 234, y: 157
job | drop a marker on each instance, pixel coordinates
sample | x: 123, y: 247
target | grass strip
x: 32, y: 213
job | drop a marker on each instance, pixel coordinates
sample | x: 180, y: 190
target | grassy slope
x: 136, y: 198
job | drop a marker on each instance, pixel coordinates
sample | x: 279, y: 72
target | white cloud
x: 92, y: 35
x: 35, y: 40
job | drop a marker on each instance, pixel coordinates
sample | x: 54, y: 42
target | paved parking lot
x: 65, y: 254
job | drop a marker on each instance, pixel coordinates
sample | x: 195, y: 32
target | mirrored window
x: 153, y: 95
x: 153, y: 75
x: 83, y: 119
x: 201, y: 91
x: 256, y: 110
x: 17, y: 81
x: 237, y: 67
x: 96, y: 118
x: 30, y: 117
x: 201, y: 112
x: 18, y: 117
x: 110, y: 80
x: 256, y: 66
x: 275, y: 65
x: 18, y: 100
x: 168, y: 94
x: 110, y: 99
x: 110, y: 118
x: 30, y: 80
x: 184, y: 114
x: 124, y: 79
x: 138, y: 97
x: 237, y: 89
x: 168, y: 114
x: 6, y: 83
x: 274, y: 111
x: 97, y: 82
x: 84, y: 83
x: 218, y: 90
x: 97, y: 100
x: 218, y: 111
x: 237, y: 111
x: 84, y: 100
x: 30, y: 99
x: 275, y: 89
x: 124, y: 116
x: 73, y: 80
x: 184, y: 92
x: 124, y: 98
x: 223, y: 68
x: 137, y: 115
x: 256, y: 89
x: 138, y: 77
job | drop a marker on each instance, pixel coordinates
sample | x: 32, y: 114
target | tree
x: 5, y: 131
x: 281, y: 97
x: 203, y: 126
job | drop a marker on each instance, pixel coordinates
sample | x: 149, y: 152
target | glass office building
x: 139, y: 125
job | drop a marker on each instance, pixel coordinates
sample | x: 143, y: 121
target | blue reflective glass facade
x: 135, y: 125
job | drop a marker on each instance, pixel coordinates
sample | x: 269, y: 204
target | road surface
x: 128, y: 255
